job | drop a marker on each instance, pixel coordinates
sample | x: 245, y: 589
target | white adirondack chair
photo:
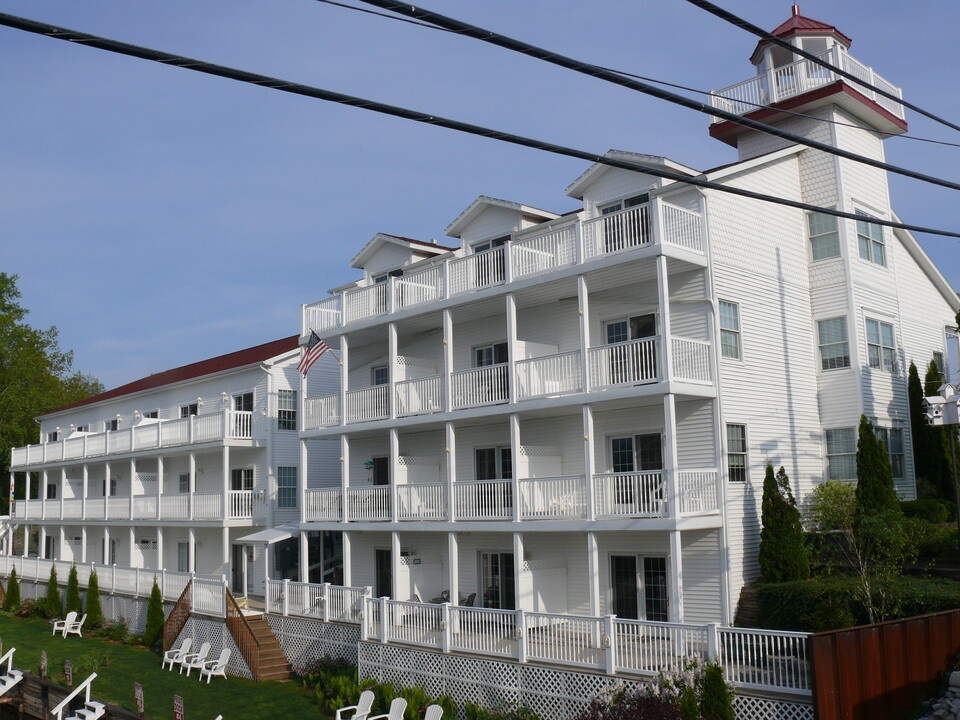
x: 195, y: 660
x: 397, y: 707
x: 360, y: 710
x: 433, y: 712
x: 175, y: 655
x: 216, y: 667
x: 74, y: 628
x: 61, y: 625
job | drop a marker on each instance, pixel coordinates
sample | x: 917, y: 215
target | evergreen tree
x: 73, y: 592
x: 783, y: 554
x: 153, y: 633
x: 937, y: 462
x: 875, y: 492
x: 13, y: 591
x: 52, y: 606
x: 93, y: 609
x: 716, y: 697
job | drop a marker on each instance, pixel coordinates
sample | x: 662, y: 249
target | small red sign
x: 43, y: 663
x: 138, y: 696
x: 177, y: 707
x: 68, y: 672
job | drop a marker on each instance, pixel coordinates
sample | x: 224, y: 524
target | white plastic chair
x: 397, y: 707
x: 176, y: 655
x: 360, y: 710
x: 195, y: 660
x: 74, y: 628
x: 433, y: 712
x: 216, y: 667
x: 61, y: 625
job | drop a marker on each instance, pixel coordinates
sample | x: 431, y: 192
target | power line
x: 760, y: 32
x: 665, y: 83
x: 524, y: 48
x: 165, y: 58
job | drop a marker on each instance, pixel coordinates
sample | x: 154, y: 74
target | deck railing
x: 553, y: 498
x: 241, y: 504
x: 480, y: 386
x: 631, y: 494
x: 550, y: 375
x: 483, y: 500
x: 624, y: 363
x: 420, y: 396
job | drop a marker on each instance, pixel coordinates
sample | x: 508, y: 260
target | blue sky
x: 158, y: 216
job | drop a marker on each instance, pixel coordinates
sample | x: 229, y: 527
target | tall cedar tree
x: 921, y: 435
x: 939, y: 437
x: 875, y: 492
x: 52, y: 606
x: 783, y: 554
x: 13, y: 591
x: 36, y: 376
x: 93, y: 609
x: 73, y: 593
x: 153, y: 633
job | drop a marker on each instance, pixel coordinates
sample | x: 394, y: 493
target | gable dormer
x: 387, y: 255
x: 491, y: 220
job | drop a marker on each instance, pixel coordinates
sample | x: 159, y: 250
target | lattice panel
x: 215, y: 632
x: 539, y: 451
x: 133, y: 610
x: 303, y: 640
x: 749, y: 707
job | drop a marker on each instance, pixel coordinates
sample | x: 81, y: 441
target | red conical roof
x: 797, y: 24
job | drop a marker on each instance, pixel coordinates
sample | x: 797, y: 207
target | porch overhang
x: 270, y: 535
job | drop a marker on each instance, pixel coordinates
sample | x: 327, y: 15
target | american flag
x: 315, y: 347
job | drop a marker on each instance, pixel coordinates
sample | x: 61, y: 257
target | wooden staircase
x: 273, y: 663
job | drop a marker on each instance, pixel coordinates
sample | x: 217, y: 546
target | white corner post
x: 225, y: 548
x: 593, y: 573
x: 191, y: 551
x: 61, y: 545
x: 302, y: 482
x: 85, y: 491
x: 514, y: 457
x: 44, y: 479
x: 675, y: 573
x: 42, y: 541
x: 226, y: 504
x: 347, y: 560
x: 193, y: 483
x: 304, y: 564
x: 663, y: 292
x: 160, y: 564
x: 524, y: 593
x: 105, y: 550
x: 447, y: 359
x: 83, y: 544
x: 26, y: 535
x: 450, y: 435
x: 395, y: 566
x: 63, y: 488
x: 670, y: 456
x: 159, y: 483
x: 344, y: 377
x: 392, y: 369
x: 453, y: 566
x: 394, y: 475
x: 583, y: 309
x: 344, y: 479
x: 133, y: 478
x: 589, y: 461
x: 512, y: 346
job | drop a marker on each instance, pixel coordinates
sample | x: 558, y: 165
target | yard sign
x: 43, y: 663
x: 68, y: 672
x: 177, y: 707
x: 138, y: 697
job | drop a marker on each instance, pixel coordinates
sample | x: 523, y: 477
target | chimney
x: 795, y: 9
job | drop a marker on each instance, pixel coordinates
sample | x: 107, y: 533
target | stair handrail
x: 177, y: 618
x: 85, y: 685
x: 8, y: 658
x: 243, y: 634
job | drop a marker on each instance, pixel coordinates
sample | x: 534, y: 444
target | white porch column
x: 451, y: 448
x: 453, y: 567
x: 676, y: 578
x: 344, y: 376
x: 302, y: 482
x: 225, y: 551
x: 512, y: 346
x: 663, y: 292
x: 523, y: 589
x: 670, y: 458
x: 395, y: 565
x: 344, y: 479
x: 133, y: 475
x: 160, y: 564
x: 63, y: 488
x: 225, y: 505
x: 159, y: 482
x: 83, y: 544
x: 347, y: 561
x: 305, y: 557
x: 42, y: 541
x: 61, y: 544
x: 133, y: 545
x: 105, y: 550
x: 83, y: 497
x: 447, y: 359
x: 392, y: 368
x: 43, y: 496
x: 394, y: 475
x: 191, y: 551
x: 106, y: 489
x: 193, y: 483
x: 593, y: 573
x: 10, y: 497
x: 589, y: 461
x: 583, y: 301
x: 514, y: 455
x: 26, y: 530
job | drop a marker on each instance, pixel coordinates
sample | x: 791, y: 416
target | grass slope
x: 234, y: 698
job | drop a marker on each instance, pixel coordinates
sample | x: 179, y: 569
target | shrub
x: 417, y: 701
x: 116, y: 630
x: 51, y: 603
x: 783, y: 554
x: 630, y: 706
x: 13, y: 591
x: 875, y: 492
x: 93, y: 609
x: 28, y: 609
x: 153, y: 633
x: 716, y: 697
x: 477, y: 712
x: 449, y: 706
x: 336, y: 692
x: 930, y: 509
x: 73, y: 593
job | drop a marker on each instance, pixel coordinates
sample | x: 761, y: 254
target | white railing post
x: 163, y: 581
x: 446, y: 279
x: 521, y: 633
x: 384, y: 616
x: 713, y: 642
x: 286, y: 597
x: 609, y: 644
x: 266, y: 596
x: 326, y: 602
x: 445, y: 627
x: 136, y: 582
x: 190, y: 428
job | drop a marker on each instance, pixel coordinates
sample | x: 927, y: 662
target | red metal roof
x: 230, y: 361
x: 797, y: 24
x: 419, y: 242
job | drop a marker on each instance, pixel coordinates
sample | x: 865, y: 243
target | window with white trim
x: 111, y: 424
x: 834, y: 347
x: 286, y: 487
x: 154, y: 414
x: 286, y: 409
x: 892, y: 439
x: 824, y: 238
x: 737, y: 453
x: 940, y: 364
x: 241, y: 479
x: 379, y: 375
x: 730, y: 330
x: 188, y: 409
x: 881, y: 346
x: 53, y: 436
x: 841, y: 453
x: 184, y: 481
x: 870, y: 240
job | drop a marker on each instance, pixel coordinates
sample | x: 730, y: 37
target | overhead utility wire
x: 596, y: 71
x: 760, y: 32
x: 165, y: 58
x: 758, y: 106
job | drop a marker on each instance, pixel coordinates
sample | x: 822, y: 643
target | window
x: 380, y: 470
x: 184, y: 482
x: 628, y: 230
x: 493, y: 463
x: 870, y: 240
x: 492, y: 354
x: 51, y: 491
x: 939, y: 363
x: 490, y: 269
x: 892, y: 439
x: 286, y: 487
x: 633, y: 590
x: 286, y: 409
x: 241, y: 479
x: 53, y: 436
x: 183, y: 557
x: 841, y: 454
x: 380, y: 375
x: 383, y: 572
x: 737, y: 453
x: 109, y: 551
x: 188, y: 410
x: 635, y: 362
x: 629, y: 455
x: 497, y: 581
x: 824, y: 238
x: 834, y: 348
x: 243, y: 402
x: 81, y: 428
x: 50, y: 547
x: 112, y: 488
x: 881, y: 348
x: 111, y: 425
x: 154, y: 414
x: 730, y: 330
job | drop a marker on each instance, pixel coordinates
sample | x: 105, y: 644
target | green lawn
x: 234, y: 698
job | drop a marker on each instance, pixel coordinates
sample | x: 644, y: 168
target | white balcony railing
x: 532, y: 254
x: 550, y: 375
x: 698, y: 491
x: 213, y: 427
x: 691, y: 359
x: 369, y: 403
x: 553, y: 498
x: 624, y: 363
x: 420, y: 396
x: 369, y: 503
x: 322, y: 411
x: 631, y: 494
x: 241, y: 504
x: 802, y: 76
x: 483, y: 500
x: 422, y: 502
x: 323, y: 504
x: 480, y: 386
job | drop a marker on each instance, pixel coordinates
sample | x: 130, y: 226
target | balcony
x: 581, y: 243
x: 614, y: 495
x: 236, y: 505
x: 196, y: 429
x: 802, y: 76
x: 634, y: 362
